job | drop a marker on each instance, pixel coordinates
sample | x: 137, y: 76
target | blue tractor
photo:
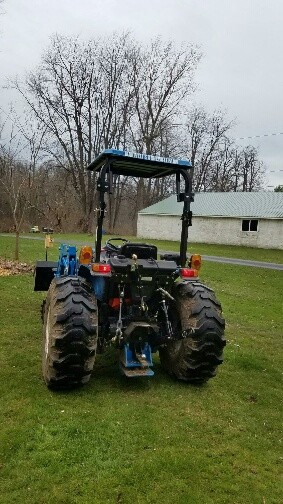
x: 124, y: 295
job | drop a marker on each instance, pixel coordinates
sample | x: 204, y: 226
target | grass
x: 37, y: 250
x: 150, y: 440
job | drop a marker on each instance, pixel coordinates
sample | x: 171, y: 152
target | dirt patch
x: 8, y: 268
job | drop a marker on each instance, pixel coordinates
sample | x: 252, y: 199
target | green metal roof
x: 265, y: 205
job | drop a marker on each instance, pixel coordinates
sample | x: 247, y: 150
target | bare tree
x: 100, y: 94
x: 251, y: 169
x: 207, y: 133
x: 218, y: 163
x: 162, y: 77
x: 60, y: 93
x: 53, y: 197
x: 19, y: 154
x: 236, y: 169
x: 117, y: 93
x: 16, y: 183
x: 221, y: 176
x: 78, y: 94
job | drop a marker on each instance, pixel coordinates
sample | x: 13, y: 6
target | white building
x: 235, y: 218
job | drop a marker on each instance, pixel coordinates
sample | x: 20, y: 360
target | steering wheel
x: 110, y: 247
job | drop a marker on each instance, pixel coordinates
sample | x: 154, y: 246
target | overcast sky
x: 241, y: 41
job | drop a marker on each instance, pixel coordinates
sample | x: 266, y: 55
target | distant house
x: 252, y: 219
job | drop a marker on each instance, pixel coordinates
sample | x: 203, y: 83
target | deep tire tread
x: 196, y: 356
x: 72, y: 333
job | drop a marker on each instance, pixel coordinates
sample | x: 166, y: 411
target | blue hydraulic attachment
x: 134, y: 364
x: 67, y: 263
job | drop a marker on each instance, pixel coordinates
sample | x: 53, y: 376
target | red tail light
x: 188, y: 273
x: 115, y: 302
x: 101, y: 268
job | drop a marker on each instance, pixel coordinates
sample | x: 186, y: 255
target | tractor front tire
x: 69, y: 333
x: 198, y: 325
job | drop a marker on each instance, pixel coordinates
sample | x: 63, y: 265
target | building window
x: 249, y: 225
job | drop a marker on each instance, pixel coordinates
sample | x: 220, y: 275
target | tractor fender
x: 184, y: 287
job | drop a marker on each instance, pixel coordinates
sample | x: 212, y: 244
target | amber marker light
x: 195, y: 261
x: 85, y: 255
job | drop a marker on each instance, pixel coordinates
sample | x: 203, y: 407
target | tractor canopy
x: 134, y: 164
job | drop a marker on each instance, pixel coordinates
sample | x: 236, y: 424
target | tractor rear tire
x: 69, y: 333
x: 197, y: 322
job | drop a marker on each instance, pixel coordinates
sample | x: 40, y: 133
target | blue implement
x: 134, y: 364
x: 67, y: 263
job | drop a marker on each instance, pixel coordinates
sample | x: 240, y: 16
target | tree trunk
x: 16, y: 255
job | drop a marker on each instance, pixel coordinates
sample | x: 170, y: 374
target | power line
x: 263, y: 135
x: 259, y: 136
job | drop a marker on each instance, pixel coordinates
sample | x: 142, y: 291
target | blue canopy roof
x: 136, y: 164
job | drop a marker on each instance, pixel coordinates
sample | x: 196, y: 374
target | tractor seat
x: 141, y: 250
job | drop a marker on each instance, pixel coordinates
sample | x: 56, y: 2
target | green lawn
x: 150, y: 440
x: 28, y: 253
